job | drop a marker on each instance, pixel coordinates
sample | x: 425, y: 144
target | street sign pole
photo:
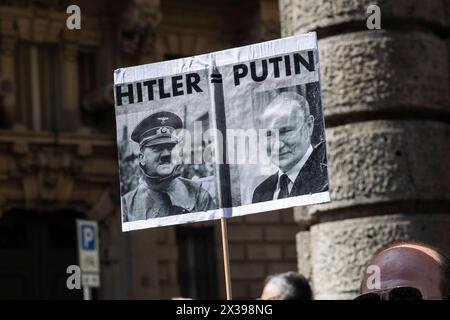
x: 87, y: 293
x: 88, y: 256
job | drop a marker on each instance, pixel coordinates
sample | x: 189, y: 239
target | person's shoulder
x: 317, y: 159
x: 264, y: 190
x: 319, y: 148
x: 131, y: 194
x: 190, y: 185
x: 127, y: 196
x: 268, y: 181
x: 313, y: 177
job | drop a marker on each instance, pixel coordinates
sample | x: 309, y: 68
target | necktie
x: 284, y: 190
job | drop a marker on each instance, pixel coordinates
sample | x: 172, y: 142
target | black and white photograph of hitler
x: 161, y: 190
x: 299, y: 154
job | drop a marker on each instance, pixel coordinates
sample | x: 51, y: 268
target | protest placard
x: 224, y: 134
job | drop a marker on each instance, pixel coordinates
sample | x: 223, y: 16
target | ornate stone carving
x: 138, y: 25
x: 47, y: 175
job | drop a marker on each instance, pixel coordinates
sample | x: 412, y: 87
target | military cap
x: 157, y: 128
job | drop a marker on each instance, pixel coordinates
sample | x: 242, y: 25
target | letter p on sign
x: 88, y: 237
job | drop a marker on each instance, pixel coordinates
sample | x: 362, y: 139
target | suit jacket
x: 312, y: 178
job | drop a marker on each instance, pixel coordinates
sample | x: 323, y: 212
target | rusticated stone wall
x: 387, y: 112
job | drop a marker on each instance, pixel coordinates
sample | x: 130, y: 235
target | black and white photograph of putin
x: 161, y: 191
x: 301, y: 163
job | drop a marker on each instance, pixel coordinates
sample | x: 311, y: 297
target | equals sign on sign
x: 216, y: 78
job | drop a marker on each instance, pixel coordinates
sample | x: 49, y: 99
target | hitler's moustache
x: 165, y: 159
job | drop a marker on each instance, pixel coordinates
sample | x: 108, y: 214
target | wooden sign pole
x: 226, y: 258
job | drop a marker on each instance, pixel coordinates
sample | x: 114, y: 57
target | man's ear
x: 141, y: 158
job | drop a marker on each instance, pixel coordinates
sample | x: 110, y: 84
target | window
x: 87, y: 82
x: 197, y: 262
x: 23, y: 85
x: 38, y: 86
x: 96, y: 99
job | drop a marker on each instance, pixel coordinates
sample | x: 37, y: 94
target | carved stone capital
x: 137, y: 29
x: 47, y: 175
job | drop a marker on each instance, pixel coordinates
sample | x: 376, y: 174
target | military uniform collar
x: 180, y: 196
x: 178, y: 193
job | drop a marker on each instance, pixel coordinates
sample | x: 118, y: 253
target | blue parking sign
x: 88, y: 235
x: 88, y: 245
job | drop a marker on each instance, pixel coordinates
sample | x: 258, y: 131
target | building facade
x: 386, y: 103
x: 58, y: 158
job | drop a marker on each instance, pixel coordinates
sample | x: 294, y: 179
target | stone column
x: 387, y: 112
x: 7, y: 74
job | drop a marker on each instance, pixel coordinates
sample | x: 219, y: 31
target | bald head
x: 410, y: 265
x: 286, y: 286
